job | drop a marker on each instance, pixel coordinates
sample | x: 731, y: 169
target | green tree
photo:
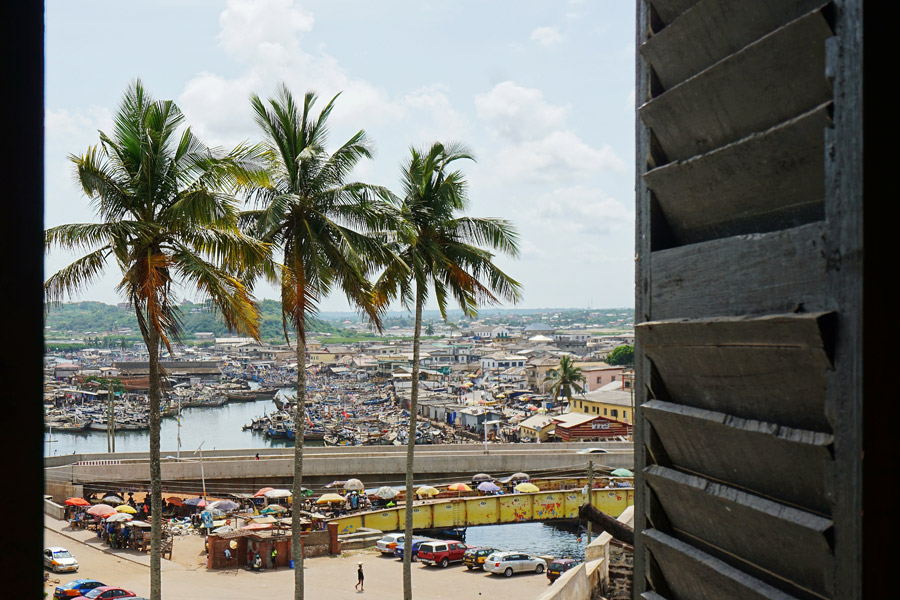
x: 166, y: 214
x: 622, y: 355
x: 565, y: 379
x: 318, y: 222
x: 436, y: 250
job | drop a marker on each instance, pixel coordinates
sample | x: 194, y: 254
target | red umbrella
x: 101, y: 510
x: 175, y: 500
x: 77, y: 502
x: 262, y: 492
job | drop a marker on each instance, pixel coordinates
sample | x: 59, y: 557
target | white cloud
x: 262, y: 30
x: 546, y: 36
x: 539, y: 146
x: 517, y: 113
x: 445, y: 122
x: 583, y: 209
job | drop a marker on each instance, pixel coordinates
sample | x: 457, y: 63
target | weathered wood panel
x: 768, y: 536
x: 790, y: 465
x: 695, y: 575
x: 767, y: 181
x: 768, y: 369
x: 774, y: 79
x: 710, y: 31
x: 669, y: 10
x: 776, y: 272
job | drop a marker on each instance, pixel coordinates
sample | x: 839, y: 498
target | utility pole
x: 202, y: 477
x: 590, y: 486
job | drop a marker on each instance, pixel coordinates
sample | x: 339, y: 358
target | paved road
x: 186, y: 578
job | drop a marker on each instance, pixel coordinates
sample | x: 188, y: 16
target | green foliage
x: 565, y: 379
x: 623, y: 355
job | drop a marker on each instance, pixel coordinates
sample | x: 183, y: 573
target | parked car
x: 559, y: 566
x: 388, y: 543
x: 59, y: 560
x: 593, y: 451
x: 442, y: 552
x: 77, y: 587
x: 513, y: 562
x: 473, y: 558
x: 106, y: 592
x: 416, y: 542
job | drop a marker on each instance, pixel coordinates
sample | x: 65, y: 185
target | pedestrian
x: 274, y: 559
x: 257, y: 456
x: 359, y: 578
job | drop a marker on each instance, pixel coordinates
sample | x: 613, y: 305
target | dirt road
x: 186, y: 576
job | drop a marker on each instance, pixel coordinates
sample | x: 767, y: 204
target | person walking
x: 360, y: 578
x: 274, y: 559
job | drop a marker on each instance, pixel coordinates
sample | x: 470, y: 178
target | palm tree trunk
x: 411, y: 450
x: 155, y: 470
x: 297, y: 491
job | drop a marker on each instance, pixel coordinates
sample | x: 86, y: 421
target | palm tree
x: 435, y: 250
x: 566, y: 378
x: 320, y: 224
x: 166, y: 215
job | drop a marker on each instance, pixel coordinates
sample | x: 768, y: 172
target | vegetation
x: 435, y: 251
x: 565, y: 379
x: 167, y: 213
x: 318, y: 223
x: 623, y: 355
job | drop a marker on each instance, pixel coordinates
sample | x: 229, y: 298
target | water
x: 531, y: 538
x: 220, y: 428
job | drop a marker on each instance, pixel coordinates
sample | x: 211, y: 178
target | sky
x: 542, y: 92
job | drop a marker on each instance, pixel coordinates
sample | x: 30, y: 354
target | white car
x: 59, y: 560
x: 514, y: 562
x: 593, y: 451
x: 388, y: 543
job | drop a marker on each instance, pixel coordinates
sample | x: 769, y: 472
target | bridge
x: 238, y: 471
x: 490, y: 510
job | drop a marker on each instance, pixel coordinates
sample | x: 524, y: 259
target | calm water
x: 219, y: 428
x: 533, y: 538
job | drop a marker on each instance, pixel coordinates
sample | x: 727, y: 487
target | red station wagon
x: 441, y: 552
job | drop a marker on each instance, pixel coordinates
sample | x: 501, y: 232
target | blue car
x: 398, y: 551
x: 79, y: 587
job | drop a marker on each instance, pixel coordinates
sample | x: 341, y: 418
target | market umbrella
x: 262, y: 492
x: 519, y: 477
x: 386, y: 493
x: 77, y: 502
x: 126, y: 509
x: 278, y: 494
x: 101, y: 510
x: 622, y: 473
x: 175, y: 500
x: 488, y: 486
x: 526, y: 487
x: 481, y: 477
x: 326, y: 498
x: 225, y: 505
x: 200, y: 502
x: 427, y: 490
x: 459, y: 487
x: 113, y: 500
x: 273, y: 509
x: 354, y: 484
x: 118, y: 518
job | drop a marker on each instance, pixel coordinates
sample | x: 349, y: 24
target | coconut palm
x: 565, y: 379
x: 166, y: 216
x: 320, y: 224
x: 436, y: 251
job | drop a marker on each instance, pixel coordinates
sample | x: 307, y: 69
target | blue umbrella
x: 488, y: 486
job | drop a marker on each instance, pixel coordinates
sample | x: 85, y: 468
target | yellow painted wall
x: 487, y: 510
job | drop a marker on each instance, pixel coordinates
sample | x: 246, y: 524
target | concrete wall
x: 334, y: 463
x: 57, y: 511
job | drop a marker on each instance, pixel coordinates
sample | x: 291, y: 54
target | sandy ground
x: 186, y: 576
